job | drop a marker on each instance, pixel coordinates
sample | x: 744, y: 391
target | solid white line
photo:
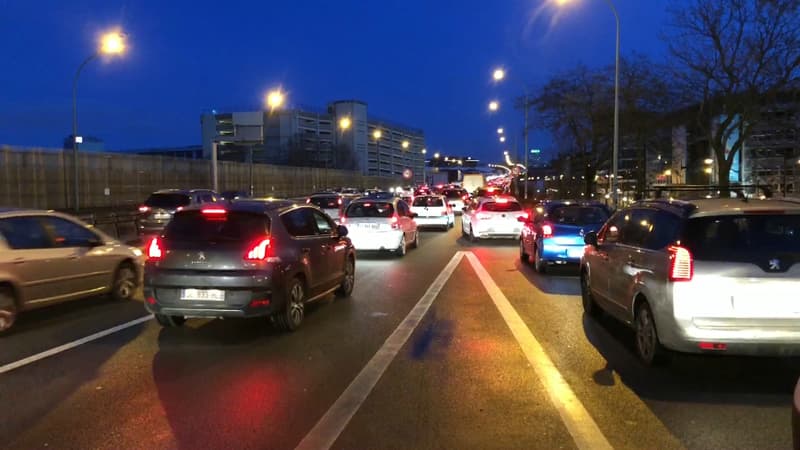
x: 331, y: 425
x: 70, y: 345
x: 579, y: 423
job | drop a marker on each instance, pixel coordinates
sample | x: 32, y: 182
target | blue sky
x: 426, y: 63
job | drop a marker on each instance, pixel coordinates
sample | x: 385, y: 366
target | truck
x: 473, y: 181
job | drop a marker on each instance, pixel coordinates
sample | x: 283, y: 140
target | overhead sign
x: 536, y: 151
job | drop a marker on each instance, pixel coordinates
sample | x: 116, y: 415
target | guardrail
x: 117, y: 224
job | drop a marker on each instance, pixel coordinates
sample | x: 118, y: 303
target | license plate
x: 207, y: 295
x: 575, y: 252
x: 368, y: 226
x: 161, y: 216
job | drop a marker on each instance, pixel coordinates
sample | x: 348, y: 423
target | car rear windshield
x: 578, y: 215
x: 325, y: 202
x: 428, y: 202
x: 370, y: 209
x: 171, y: 201
x: 194, y: 226
x: 453, y: 193
x: 742, y: 238
x: 501, y: 207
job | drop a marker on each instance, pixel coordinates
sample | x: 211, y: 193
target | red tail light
x: 395, y: 222
x: 547, y: 230
x: 155, y: 249
x: 214, y: 211
x: 681, y: 264
x: 342, y: 220
x: 144, y: 209
x: 340, y: 202
x: 524, y: 215
x: 258, y: 252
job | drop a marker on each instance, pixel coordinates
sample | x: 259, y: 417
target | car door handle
x: 19, y: 261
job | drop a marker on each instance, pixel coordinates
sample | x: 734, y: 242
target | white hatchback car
x: 493, y: 217
x: 382, y: 225
x: 433, y: 211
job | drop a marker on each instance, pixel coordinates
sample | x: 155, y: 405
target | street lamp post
x: 424, y: 178
x: 377, y: 136
x: 110, y: 44
x: 499, y: 74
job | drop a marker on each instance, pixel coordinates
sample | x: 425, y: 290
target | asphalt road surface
x: 456, y: 345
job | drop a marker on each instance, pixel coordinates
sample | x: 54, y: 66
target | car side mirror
x: 341, y: 230
x: 590, y: 239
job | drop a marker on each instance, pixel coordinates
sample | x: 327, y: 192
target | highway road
x: 457, y: 345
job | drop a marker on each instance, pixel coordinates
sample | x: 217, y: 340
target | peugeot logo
x: 775, y: 264
x: 201, y: 258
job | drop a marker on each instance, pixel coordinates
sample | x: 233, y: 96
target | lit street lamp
x: 345, y: 123
x: 436, y: 155
x: 405, y: 144
x: 615, y: 156
x: 111, y: 43
x: 502, y: 73
x: 424, y: 163
x: 377, y: 136
x: 500, y: 130
x: 498, y: 74
x: 494, y: 105
x: 275, y: 99
x: 502, y: 138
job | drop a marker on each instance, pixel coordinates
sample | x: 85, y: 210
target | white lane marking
x: 331, y: 425
x: 70, y: 345
x: 579, y: 423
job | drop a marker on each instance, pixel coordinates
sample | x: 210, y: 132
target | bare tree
x: 734, y: 57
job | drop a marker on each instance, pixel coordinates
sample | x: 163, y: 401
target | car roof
x: 373, y: 200
x: 325, y: 194
x: 494, y: 198
x: 181, y: 191
x: 722, y: 206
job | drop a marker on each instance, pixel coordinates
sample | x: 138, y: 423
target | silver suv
x: 47, y: 258
x: 703, y: 276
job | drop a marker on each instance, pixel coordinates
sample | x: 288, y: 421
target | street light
x: 345, y: 123
x: 500, y: 130
x: 502, y: 138
x: 525, y: 123
x: 494, y: 105
x: 111, y: 43
x: 377, y: 134
x: 498, y: 74
x: 275, y: 99
x: 615, y: 156
x: 405, y: 144
x: 436, y: 155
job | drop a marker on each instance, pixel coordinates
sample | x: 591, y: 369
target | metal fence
x: 42, y: 178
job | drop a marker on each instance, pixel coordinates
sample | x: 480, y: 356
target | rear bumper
x: 740, y: 336
x: 436, y: 221
x: 553, y: 252
x: 150, y: 227
x: 495, y: 232
x: 376, y: 240
x: 163, y: 292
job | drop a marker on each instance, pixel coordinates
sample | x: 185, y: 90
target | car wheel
x: 170, y: 321
x: 648, y: 347
x: 538, y: 262
x: 472, y: 236
x: 452, y: 223
x: 125, y: 285
x: 415, y: 244
x: 590, y: 307
x: 401, y: 249
x: 346, y: 288
x: 290, y: 318
x: 522, y: 255
x: 8, y: 311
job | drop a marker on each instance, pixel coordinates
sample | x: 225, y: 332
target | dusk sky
x: 423, y: 63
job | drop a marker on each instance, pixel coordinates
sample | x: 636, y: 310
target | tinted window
x: 402, y: 208
x: 324, y: 226
x: 428, y: 201
x: 612, y: 232
x: 300, y: 222
x: 68, y: 234
x: 206, y: 198
x: 666, y: 228
x: 743, y: 238
x: 453, y: 193
x: 325, y: 202
x: 194, y: 226
x: 501, y: 207
x: 370, y: 209
x: 637, y: 227
x: 168, y: 201
x: 24, y: 233
x: 578, y: 215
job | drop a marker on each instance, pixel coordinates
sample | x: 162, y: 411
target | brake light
x: 681, y: 264
x: 502, y: 200
x: 713, y: 346
x: 258, y: 252
x: 154, y: 249
x: 395, y: 222
x: 339, y: 201
x: 213, y: 211
x: 547, y: 230
x: 144, y: 209
x: 524, y: 215
x: 342, y: 220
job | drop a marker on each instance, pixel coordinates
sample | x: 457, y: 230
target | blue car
x: 554, y: 235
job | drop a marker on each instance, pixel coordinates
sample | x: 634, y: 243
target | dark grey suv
x: 244, y: 259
